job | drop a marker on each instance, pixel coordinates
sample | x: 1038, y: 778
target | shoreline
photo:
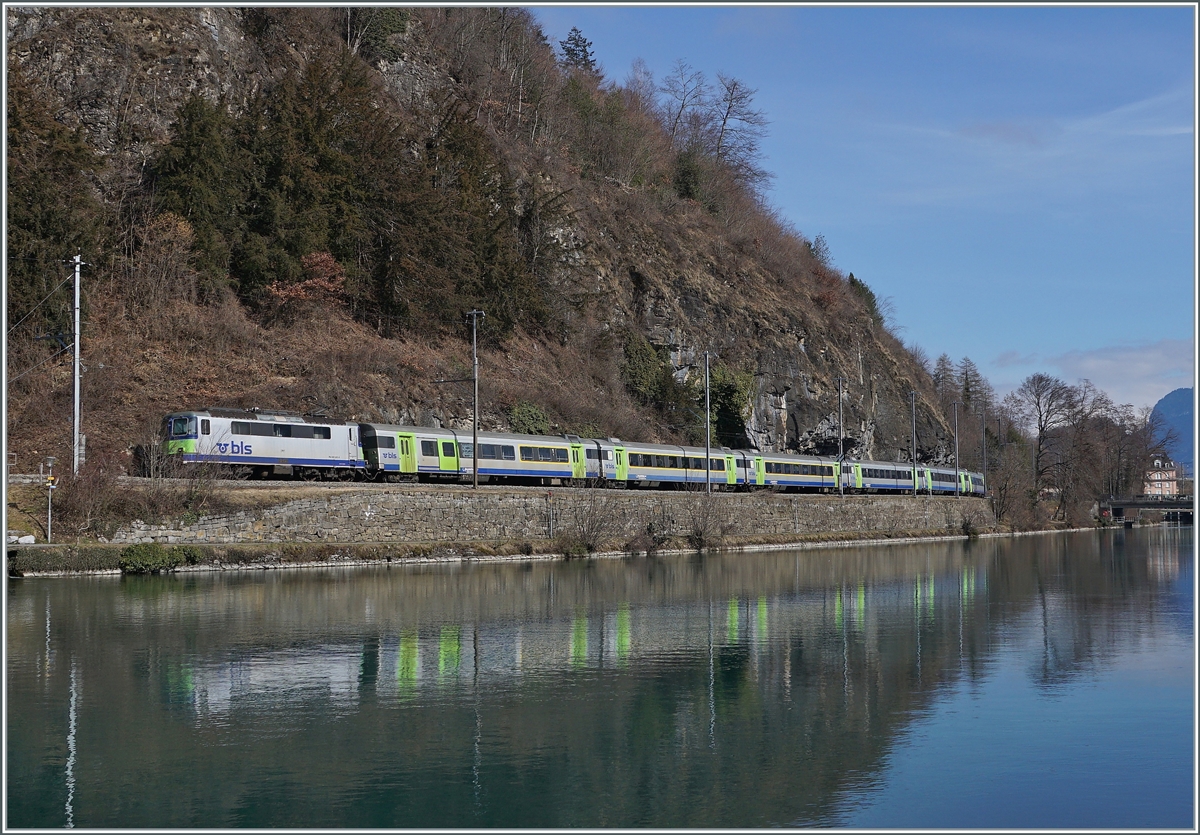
x: 292, y: 556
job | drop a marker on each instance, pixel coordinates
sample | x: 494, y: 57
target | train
x: 265, y: 444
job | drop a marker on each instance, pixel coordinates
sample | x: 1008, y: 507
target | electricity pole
x: 475, y: 315
x: 913, y: 397
x: 707, y: 432
x: 841, y: 488
x: 957, y: 482
x: 983, y: 423
x: 76, y: 438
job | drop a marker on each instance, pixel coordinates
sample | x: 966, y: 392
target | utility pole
x: 50, y: 499
x: 957, y: 481
x: 983, y: 423
x: 475, y: 315
x: 912, y: 395
x: 841, y: 487
x: 76, y: 437
x: 707, y: 432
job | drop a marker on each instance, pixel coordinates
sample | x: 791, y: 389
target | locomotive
x: 265, y: 444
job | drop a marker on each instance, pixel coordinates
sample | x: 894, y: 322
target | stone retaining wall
x: 490, y: 514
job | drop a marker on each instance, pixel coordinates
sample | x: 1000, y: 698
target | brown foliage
x: 324, y: 283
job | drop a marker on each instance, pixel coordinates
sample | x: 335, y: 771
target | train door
x: 608, y: 467
x: 730, y: 469
x: 447, y: 456
x: 354, y: 450
x: 622, y: 463
x: 407, y: 448
x: 837, y: 475
x: 578, y: 464
x: 592, y: 460
x: 856, y: 476
x: 760, y: 471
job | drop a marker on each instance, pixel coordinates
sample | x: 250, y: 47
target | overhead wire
x: 39, y: 304
x: 40, y: 364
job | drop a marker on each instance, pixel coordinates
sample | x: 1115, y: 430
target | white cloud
x: 1008, y: 359
x: 1139, y: 374
x: 1054, y: 160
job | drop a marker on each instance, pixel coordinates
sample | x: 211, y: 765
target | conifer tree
x: 944, y: 382
x: 577, y: 51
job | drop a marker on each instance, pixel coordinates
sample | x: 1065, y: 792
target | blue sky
x: 1019, y: 181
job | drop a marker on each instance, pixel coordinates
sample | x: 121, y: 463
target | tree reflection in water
x: 731, y: 690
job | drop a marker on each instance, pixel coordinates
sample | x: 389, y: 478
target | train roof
x: 273, y: 415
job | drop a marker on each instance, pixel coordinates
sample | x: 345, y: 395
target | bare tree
x: 738, y: 127
x: 686, y: 92
x: 1041, y: 405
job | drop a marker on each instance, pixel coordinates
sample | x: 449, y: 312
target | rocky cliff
x: 626, y: 258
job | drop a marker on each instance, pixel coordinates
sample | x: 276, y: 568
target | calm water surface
x: 1045, y: 681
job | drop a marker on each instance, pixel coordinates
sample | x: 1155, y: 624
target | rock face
x: 1175, y: 412
x: 121, y: 74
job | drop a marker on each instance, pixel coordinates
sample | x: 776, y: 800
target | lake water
x: 1042, y: 681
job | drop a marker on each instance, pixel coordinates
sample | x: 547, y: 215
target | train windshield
x: 183, y: 426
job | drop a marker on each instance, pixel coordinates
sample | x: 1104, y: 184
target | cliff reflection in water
x: 714, y: 690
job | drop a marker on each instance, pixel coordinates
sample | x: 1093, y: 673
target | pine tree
x: 944, y: 382
x: 969, y: 380
x: 577, y: 51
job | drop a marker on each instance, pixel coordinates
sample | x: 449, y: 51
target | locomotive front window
x: 182, y: 426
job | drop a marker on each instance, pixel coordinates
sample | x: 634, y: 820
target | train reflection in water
x: 766, y: 631
x: 717, y: 690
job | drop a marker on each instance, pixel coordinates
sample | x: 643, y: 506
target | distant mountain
x: 1175, y: 412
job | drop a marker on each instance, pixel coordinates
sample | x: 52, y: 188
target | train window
x: 660, y: 461
x: 466, y: 451
x: 429, y: 448
x: 384, y: 442
x: 182, y: 426
x: 239, y: 427
x: 606, y: 454
x: 205, y: 427
x: 560, y: 455
x: 528, y: 453
x: 282, y: 430
x: 448, y: 449
x: 488, y: 451
x: 717, y: 464
x: 508, y: 453
x: 321, y: 432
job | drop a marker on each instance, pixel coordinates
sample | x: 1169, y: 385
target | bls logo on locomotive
x: 234, y: 448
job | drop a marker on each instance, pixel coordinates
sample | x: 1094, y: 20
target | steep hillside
x: 294, y: 209
x: 1175, y: 413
